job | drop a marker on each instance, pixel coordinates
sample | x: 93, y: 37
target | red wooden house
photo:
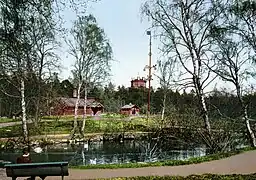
x: 138, y: 83
x: 66, y: 106
x: 130, y: 109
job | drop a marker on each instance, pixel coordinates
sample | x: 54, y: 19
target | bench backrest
x: 3, y: 163
x: 37, y: 169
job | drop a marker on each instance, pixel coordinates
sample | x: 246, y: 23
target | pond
x: 112, y: 152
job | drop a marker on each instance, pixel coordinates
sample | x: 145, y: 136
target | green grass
x: 91, y: 126
x: 11, y: 131
x: 55, y: 118
x: 113, y: 115
x: 6, y: 120
x: 166, y: 162
x: 97, y: 126
x: 193, y: 177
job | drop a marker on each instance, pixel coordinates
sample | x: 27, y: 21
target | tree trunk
x: 202, y: 104
x: 205, y: 115
x: 37, y: 115
x: 83, y: 156
x: 73, y: 132
x: 163, y: 110
x: 207, y: 136
x: 85, y: 115
x: 245, y: 117
x: 38, y: 101
x: 24, y: 115
x: 248, y: 126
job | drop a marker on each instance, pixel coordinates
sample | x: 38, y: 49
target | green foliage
x: 176, y: 103
x: 92, y: 51
x: 167, y: 162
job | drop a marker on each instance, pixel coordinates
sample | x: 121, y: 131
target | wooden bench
x: 37, y: 169
x: 3, y: 163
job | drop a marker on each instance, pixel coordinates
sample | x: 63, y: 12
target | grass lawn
x: 63, y: 125
x: 100, y: 126
x: 6, y: 120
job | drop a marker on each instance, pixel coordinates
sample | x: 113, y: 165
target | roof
x: 129, y: 106
x: 70, y: 102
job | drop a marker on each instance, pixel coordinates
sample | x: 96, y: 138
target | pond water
x: 111, y: 152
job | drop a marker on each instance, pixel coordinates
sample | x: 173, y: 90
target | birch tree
x: 20, y: 36
x: 42, y: 33
x: 13, y: 36
x: 166, y: 75
x: 183, y: 26
x: 234, y: 65
x: 241, y: 18
x: 93, y: 54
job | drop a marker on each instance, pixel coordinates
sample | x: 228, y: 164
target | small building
x: 66, y: 106
x: 138, y: 82
x: 130, y: 109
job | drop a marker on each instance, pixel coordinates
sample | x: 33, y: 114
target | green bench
x: 3, y: 163
x: 37, y: 169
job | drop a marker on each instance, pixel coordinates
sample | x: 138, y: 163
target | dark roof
x: 129, y: 106
x: 70, y: 102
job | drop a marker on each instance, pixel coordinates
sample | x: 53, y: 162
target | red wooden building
x: 130, y: 109
x: 66, y: 106
x: 138, y: 83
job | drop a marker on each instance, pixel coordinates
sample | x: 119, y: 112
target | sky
x: 126, y: 29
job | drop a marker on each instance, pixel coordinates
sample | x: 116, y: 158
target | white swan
x: 93, y: 161
x: 38, y: 149
x: 86, y: 146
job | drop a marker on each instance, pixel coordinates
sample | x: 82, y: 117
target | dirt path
x: 244, y: 163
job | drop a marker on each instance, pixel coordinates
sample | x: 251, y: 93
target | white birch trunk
x: 248, y: 126
x: 163, y: 109
x: 23, y: 108
x: 76, y: 111
x: 85, y: 115
x: 205, y: 115
x: 245, y: 117
x: 83, y: 156
x: 77, y: 102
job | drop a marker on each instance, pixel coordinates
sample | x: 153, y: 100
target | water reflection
x: 112, y: 152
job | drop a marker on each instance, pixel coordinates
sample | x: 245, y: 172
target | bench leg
x: 42, y: 177
x: 62, y: 177
x: 32, y: 178
x: 13, y: 178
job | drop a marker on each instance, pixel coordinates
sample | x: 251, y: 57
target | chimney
x: 74, y: 93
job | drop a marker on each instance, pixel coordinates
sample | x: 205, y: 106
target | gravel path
x: 244, y: 163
